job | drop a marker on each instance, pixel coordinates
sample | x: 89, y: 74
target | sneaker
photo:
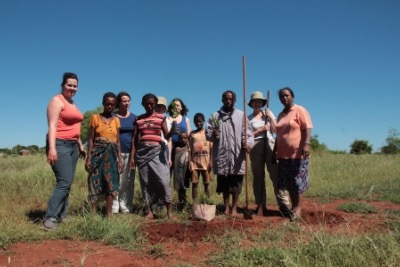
x: 50, y: 224
x: 115, y: 211
x: 125, y: 210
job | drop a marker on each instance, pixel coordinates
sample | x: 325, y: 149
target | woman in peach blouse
x: 104, y: 161
x: 292, y: 149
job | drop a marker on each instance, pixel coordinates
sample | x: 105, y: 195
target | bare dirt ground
x: 172, y: 243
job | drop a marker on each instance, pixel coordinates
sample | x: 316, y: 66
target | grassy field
x: 27, y: 182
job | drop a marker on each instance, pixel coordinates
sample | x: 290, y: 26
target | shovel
x: 247, y: 215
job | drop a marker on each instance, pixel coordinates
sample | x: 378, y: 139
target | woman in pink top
x: 293, y: 149
x: 63, y: 147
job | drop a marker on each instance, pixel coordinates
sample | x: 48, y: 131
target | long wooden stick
x: 247, y: 214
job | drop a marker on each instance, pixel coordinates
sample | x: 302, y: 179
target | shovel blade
x: 247, y: 215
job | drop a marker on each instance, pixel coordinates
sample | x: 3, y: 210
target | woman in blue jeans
x: 63, y: 147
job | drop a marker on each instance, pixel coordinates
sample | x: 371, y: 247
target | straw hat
x: 162, y: 101
x: 257, y: 95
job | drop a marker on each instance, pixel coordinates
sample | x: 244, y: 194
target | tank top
x: 69, y: 121
x: 182, y: 128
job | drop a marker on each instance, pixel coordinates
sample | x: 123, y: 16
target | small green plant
x: 174, y: 111
x: 215, y: 121
x: 203, y: 199
x: 355, y: 207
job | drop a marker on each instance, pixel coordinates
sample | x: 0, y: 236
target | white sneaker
x: 125, y: 210
x: 50, y: 224
x: 115, y: 206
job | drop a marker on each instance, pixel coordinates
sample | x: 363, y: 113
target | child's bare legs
x: 109, y: 203
x: 207, y: 190
x: 94, y: 206
x: 195, y: 191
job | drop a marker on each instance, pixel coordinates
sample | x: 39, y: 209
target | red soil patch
x: 173, y: 243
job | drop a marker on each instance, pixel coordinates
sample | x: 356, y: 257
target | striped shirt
x: 150, y: 127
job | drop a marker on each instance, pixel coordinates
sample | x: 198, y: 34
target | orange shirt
x: 69, y: 122
x: 107, y: 130
x: 289, y: 127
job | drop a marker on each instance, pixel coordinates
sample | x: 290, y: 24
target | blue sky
x: 341, y: 58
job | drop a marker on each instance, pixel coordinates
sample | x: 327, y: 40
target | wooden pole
x: 247, y: 214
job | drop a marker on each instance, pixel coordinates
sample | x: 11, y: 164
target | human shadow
x: 36, y: 216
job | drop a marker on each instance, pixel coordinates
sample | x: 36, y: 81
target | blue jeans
x: 64, y: 170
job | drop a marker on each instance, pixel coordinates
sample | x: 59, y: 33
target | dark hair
x: 184, y: 110
x: 285, y: 88
x: 183, y: 133
x: 149, y: 96
x: 231, y: 92
x: 109, y: 95
x: 199, y: 115
x: 121, y: 94
x: 68, y: 75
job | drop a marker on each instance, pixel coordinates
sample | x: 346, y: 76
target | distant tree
x: 5, y: 151
x: 34, y: 149
x: 42, y: 150
x: 392, y: 143
x: 85, y: 128
x: 337, y: 151
x: 316, y: 145
x: 16, y: 149
x: 360, y: 147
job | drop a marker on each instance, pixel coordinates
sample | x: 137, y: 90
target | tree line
x: 358, y: 147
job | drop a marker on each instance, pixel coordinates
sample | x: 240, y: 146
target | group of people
x: 160, y: 144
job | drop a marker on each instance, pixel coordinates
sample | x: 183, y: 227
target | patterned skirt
x: 293, y: 175
x: 103, y: 179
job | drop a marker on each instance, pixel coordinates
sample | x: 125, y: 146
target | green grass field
x: 27, y: 182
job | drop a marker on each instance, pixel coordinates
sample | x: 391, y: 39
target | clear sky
x: 341, y: 58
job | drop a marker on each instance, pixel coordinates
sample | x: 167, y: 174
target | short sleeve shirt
x: 289, y: 127
x: 107, y: 130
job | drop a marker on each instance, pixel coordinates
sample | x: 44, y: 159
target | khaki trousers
x: 261, y: 157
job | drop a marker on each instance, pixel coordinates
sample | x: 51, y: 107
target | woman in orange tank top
x: 63, y: 147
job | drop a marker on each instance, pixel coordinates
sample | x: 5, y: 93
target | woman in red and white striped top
x: 147, y: 154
